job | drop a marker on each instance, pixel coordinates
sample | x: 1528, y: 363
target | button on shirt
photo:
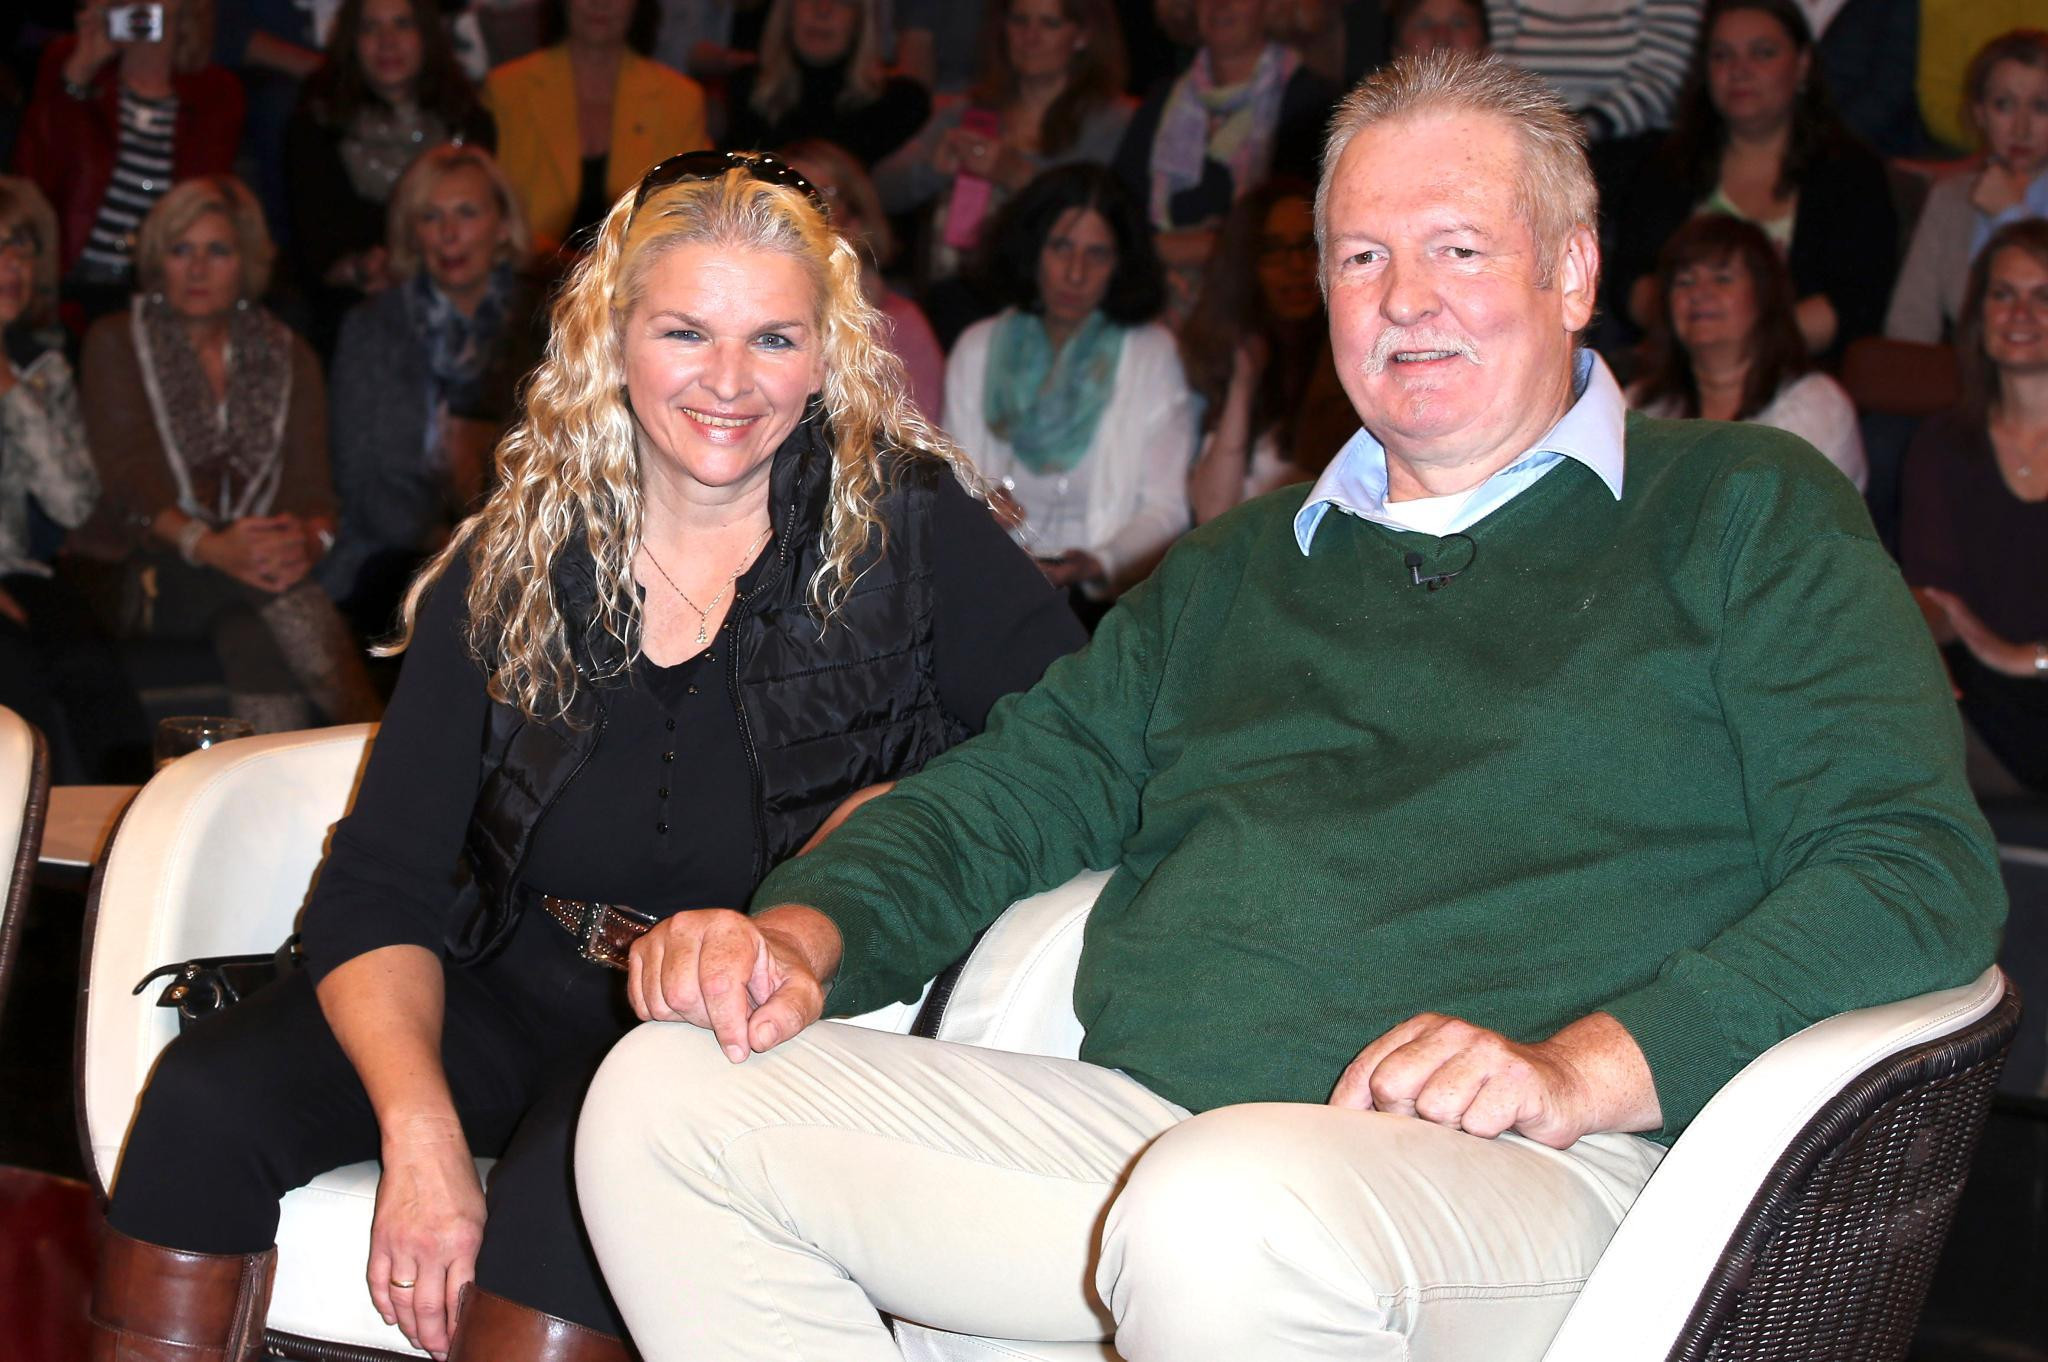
x: 1590, y: 432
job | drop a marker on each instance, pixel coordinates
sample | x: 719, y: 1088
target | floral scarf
x: 1233, y: 124
x: 227, y: 456
x: 457, y: 348
x: 381, y: 142
x: 1047, y: 405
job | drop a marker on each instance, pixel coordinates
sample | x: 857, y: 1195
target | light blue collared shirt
x: 1591, y: 432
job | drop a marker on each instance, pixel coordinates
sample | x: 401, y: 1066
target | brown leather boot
x: 490, y: 1328
x: 155, y: 1304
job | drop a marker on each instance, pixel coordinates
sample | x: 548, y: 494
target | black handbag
x: 210, y: 985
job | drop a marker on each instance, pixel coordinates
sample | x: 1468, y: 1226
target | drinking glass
x: 182, y: 733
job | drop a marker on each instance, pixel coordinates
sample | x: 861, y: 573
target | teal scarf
x: 1047, y: 406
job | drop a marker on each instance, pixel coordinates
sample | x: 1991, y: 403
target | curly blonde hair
x: 571, y: 466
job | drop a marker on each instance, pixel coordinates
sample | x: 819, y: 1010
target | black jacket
x: 821, y: 715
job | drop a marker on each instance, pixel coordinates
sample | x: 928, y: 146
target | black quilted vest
x: 820, y: 715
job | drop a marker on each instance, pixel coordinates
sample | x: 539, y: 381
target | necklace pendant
x: 702, y: 637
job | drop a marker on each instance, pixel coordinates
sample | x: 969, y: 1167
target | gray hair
x: 1555, y: 193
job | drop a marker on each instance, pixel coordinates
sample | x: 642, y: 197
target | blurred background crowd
x: 272, y: 271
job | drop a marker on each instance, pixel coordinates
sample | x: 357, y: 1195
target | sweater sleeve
x: 307, y: 487
x: 1881, y: 877
x: 1845, y: 240
x: 906, y: 178
x: 1930, y: 522
x: 394, y: 871
x: 1915, y: 311
x: 1051, y: 789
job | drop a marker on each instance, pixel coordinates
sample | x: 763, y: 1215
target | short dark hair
x: 1399, y: 12
x: 1777, y: 352
x: 641, y: 30
x: 1981, y: 387
x: 1010, y: 250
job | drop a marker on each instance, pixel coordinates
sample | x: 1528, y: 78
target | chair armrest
x: 215, y: 857
x: 1016, y: 991
x: 1647, y: 1281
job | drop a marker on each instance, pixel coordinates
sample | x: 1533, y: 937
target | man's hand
x: 752, y: 981
x: 1589, y: 1077
x: 427, y: 1228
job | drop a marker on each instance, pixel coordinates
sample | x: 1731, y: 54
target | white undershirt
x: 1428, y: 515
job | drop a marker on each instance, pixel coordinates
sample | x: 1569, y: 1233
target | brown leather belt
x: 604, y: 932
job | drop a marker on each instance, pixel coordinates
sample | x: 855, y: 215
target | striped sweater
x: 1619, y: 62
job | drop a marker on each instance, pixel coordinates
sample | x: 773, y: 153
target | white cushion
x: 1646, y: 1283
x: 17, y: 780
x: 1017, y: 990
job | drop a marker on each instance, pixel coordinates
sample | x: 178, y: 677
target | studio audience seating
x: 215, y: 857
x: 1800, y: 1216
x: 24, y: 800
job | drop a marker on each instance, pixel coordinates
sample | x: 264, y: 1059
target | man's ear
x: 1578, y: 277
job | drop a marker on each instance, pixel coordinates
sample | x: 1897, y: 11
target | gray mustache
x: 1391, y: 343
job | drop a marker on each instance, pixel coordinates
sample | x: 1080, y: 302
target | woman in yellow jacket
x: 579, y: 121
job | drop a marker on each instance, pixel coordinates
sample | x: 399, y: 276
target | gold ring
x: 402, y: 1286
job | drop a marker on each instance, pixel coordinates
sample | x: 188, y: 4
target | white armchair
x: 1800, y: 1216
x: 216, y: 856
x: 24, y: 799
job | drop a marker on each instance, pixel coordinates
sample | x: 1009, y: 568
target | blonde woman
x: 821, y: 75
x: 208, y: 419
x: 426, y: 374
x: 729, y: 581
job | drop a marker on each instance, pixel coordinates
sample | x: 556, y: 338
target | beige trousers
x: 769, y: 1209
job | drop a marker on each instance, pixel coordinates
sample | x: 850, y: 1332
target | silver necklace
x: 731, y: 579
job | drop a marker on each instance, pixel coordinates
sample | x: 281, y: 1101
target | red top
x: 67, y: 145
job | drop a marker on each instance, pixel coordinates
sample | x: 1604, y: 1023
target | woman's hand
x: 1999, y: 654
x: 11, y: 609
x: 1996, y: 189
x: 94, y: 48
x: 752, y: 981
x: 1073, y: 568
x: 266, y: 552
x: 428, y: 1226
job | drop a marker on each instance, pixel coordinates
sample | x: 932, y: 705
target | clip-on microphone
x: 1436, y: 580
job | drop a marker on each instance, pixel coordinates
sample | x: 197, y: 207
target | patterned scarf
x: 457, y: 348
x: 227, y: 456
x: 381, y: 142
x: 1233, y: 124
x: 1047, y: 406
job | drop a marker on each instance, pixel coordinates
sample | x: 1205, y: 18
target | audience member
x: 113, y: 123
x: 2008, y: 103
x: 1619, y: 63
x: 56, y: 669
x: 579, y: 120
x: 426, y: 376
x: 939, y: 42
x: 1973, y: 539
x: 821, y: 75
x: 857, y: 212
x: 695, y: 37
x: 208, y: 419
x: 1951, y: 33
x: 1245, y: 108
x: 1071, y: 400
x: 1257, y: 354
x: 1725, y: 344
x: 1870, y: 58
x: 1050, y: 93
x: 1432, y: 915
x: 727, y: 568
x: 391, y: 88
x: 1758, y: 139
x: 1418, y: 26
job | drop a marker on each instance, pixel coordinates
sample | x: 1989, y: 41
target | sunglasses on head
x: 710, y: 165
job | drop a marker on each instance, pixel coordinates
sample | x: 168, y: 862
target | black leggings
x: 248, y: 1105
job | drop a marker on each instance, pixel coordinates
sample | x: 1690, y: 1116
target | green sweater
x: 1687, y: 758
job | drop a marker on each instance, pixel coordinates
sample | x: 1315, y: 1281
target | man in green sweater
x: 1473, y: 818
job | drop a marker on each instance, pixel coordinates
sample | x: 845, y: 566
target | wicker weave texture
x: 1833, y: 1261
